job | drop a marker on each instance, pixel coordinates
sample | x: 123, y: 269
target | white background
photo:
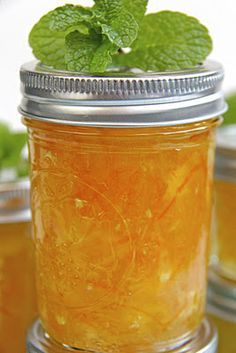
x: 18, y: 16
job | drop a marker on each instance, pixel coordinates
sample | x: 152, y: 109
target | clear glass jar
x: 121, y: 194
x: 17, y: 289
x: 222, y: 309
x: 205, y: 341
x: 224, y: 235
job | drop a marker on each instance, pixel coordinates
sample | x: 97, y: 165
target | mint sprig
x: 83, y: 39
x: 91, y: 39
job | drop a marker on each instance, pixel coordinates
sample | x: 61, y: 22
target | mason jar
x: 17, y: 288
x: 222, y: 309
x: 225, y: 205
x: 121, y: 176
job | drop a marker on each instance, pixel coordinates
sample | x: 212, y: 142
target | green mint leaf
x: 88, y: 53
x: 48, y: 45
x: 168, y: 41
x: 116, y: 22
x: 107, y: 8
x: 67, y: 16
x: 47, y: 38
x: 122, y: 30
x: 230, y: 115
x: 137, y: 8
x: 102, y: 57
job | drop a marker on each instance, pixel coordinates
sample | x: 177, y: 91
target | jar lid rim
x: 144, y: 98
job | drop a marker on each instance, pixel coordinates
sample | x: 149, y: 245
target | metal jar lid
x: 204, y: 342
x: 122, y: 98
x: 15, y: 202
x: 226, y: 153
x: 221, y: 297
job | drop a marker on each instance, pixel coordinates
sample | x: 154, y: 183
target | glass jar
x: 204, y: 341
x: 122, y: 170
x: 17, y: 289
x: 224, y: 259
x: 222, y: 309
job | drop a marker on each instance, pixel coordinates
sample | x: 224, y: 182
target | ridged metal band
x: 204, y: 342
x: 15, y: 202
x: 122, y: 98
x: 118, y: 87
x: 221, y: 297
x: 225, y: 168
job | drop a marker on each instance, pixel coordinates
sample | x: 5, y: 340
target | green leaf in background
x: 230, y: 115
x: 16, y: 143
x: 22, y: 169
x: 11, y: 146
x: 5, y: 143
x: 168, y: 41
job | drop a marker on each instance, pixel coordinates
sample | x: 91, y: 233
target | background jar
x: 222, y: 309
x: 121, y: 174
x: 224, y: 227
x: 17, y: 288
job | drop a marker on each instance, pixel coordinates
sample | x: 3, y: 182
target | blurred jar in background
x: 225, y: 204
x: 222, y: 309
x: 17, y: 292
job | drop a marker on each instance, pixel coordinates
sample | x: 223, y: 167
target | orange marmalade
x: 225, y: 196
x: 17, y: 294
x: 121, y: 220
